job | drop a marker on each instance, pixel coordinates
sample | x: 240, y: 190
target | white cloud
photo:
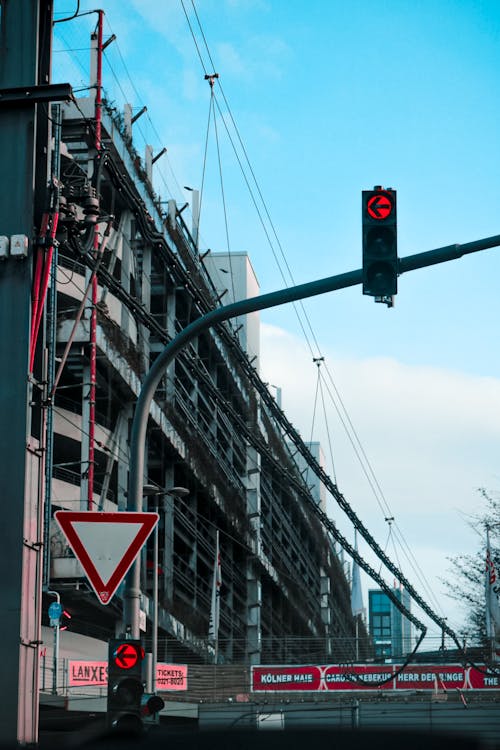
x: 431, y: 435
x: 259, y: 59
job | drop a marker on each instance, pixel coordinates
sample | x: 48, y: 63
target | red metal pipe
x: 93, y: 317
x: 35, y: 293
x: 41, y: 280
x: 92, y: 390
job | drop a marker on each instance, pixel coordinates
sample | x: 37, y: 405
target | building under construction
x: 97, y: 274
x: 127, y: 276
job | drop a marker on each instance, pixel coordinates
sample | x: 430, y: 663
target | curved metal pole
x: 132, y: 590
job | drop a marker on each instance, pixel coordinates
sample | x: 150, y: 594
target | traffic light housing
x: 380, y: 244
x: 125, y: 687
x: 151, y: 705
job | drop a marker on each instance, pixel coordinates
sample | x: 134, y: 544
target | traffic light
x: 151, y: 705
x: 380, y: 244
x: 65, y: 618
x: 125, y: 687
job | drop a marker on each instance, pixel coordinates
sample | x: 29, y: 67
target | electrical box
x: 18, y: 246
x: 4, y: 247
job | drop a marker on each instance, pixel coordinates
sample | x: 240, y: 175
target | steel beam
x: 19, y: 96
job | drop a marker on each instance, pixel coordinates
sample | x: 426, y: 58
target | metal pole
x: 55, y: 655
x: 93, y: 309
x: 150, y: 490
x: 355, y: 714
x: 196, y: 217
x: 357, y: 638
x: 132, y: 592
x: 24, y: 60
x: 55, y: 659
x: 154, y: 640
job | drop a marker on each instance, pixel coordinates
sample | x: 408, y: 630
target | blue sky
x: 331, y: 98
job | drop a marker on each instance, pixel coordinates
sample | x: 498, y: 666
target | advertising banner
x: 95, y: 673
x: 371, y: 677
x: 171, y: 677
x: 87, y: 673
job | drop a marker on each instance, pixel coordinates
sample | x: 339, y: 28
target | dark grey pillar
x: 23, y: 24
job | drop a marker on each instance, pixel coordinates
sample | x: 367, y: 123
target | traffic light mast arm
x: 444, y: 254
x: 132, y: 592
x: 214, y: 317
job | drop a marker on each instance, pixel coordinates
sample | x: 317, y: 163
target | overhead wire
x: 313, y: 419
x: 354, y: 438
x: 235, y: 151
x: 289, y: 428
x: 68, y: 49
x: 69, y: 18
x: 327, y: 427
x: 255, y: 182
x: 153, y: 128
x: 219, y: 109
x: 379, y: 495
x: 205, y: 152
x: 223, y: 196
x: 285, y: 573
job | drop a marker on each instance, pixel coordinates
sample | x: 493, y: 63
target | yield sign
x: 105, y: 544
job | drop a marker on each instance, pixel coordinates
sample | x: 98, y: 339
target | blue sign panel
x: 55, y: 611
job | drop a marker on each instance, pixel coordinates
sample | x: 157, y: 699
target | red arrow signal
x: 126, y: 656
x: 379, y: 206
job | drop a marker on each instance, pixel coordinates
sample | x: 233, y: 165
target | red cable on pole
x: 93, y: 317
x: 35, y: 295
x: 41, y: 278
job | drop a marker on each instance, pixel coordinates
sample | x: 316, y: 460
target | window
x: 381, y: 626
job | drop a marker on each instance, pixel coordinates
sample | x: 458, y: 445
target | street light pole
x: 55, y: 654
x: 132, y: 592
x: 150, y: 490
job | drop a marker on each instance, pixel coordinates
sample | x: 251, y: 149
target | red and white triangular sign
x: 105, y: 544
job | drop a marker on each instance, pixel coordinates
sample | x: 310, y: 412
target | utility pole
x: 25, y: 94
x: 19, y: 66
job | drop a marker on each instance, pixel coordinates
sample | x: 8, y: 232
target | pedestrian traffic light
x: 65, y: 618
x: 125, y: 687
x: 380, y: 245
x: 151, y: 705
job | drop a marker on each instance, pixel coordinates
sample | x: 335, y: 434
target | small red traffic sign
x: 379, y: 206
x: 126, y: 656
x: 105, y: 544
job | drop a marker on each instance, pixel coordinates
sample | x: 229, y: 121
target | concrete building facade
x: 215, y: 428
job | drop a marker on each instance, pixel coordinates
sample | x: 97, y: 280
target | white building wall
x: 318, y: 489
x: 234, y: 278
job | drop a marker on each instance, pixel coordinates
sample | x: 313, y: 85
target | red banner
x: 372, y: 677
x: 286, y: 678
x: 357, y: 678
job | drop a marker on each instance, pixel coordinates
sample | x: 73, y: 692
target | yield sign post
x: 105, y: 544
